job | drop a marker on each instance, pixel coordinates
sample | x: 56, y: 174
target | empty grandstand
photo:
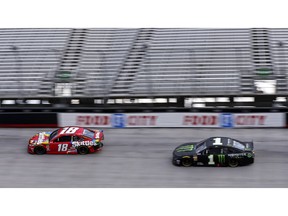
x: 127, y: 66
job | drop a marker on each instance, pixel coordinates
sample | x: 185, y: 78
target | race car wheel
x: 186, y: 162
x: 233, y: 163
x: 82, y: 150
x: 39, y: 150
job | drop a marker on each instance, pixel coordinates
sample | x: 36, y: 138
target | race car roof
x: 72, y: 130
x: 222, y: 141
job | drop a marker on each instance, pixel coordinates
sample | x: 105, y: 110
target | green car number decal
x: 221, y: 158
x: 185, y: 148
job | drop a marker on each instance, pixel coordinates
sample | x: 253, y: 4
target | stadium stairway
x: 261, y: 55
x: 103, y: 55
x: 132, y: 63
x: 66, y: 80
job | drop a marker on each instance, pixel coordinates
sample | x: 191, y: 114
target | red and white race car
x: 66, y: 140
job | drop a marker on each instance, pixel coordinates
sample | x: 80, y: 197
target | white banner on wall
x: 119, y: 120
x: 197, y: 120
x: 172, y: 120
x: 259, y: 120
x: 84, y: 119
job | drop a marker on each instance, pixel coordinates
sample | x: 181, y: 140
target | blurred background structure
x: 165, y: 86
x: 159, y: 67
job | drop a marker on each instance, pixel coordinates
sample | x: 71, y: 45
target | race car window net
x: 77, y: 138
x: 214, y: 150
x: 64, y: 139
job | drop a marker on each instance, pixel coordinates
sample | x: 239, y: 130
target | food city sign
x: 197, y: 120
x: 259, y: 120
x: 120, y: 120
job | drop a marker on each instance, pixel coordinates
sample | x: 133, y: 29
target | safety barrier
x: 31, y: 120
x: 149, y: 119
x: 187, y: 119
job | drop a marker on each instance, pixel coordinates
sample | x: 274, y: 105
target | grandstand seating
x: 194, y: 61
x: 134, y: 62
x: 27, y: 56
x: 103, y: 55
x: 279, y: 52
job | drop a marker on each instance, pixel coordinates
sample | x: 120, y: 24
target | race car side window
x: 214, y: 150
x: 77, y: 138
x: 63, y: 139
x: 234, y: 150
x: 225, y: 150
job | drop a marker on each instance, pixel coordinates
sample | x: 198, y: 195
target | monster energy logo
x: 221, y: 159
x: 249, y: 155
x: 185, y: 148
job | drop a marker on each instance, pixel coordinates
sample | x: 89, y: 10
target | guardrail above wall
x: 269, y: 101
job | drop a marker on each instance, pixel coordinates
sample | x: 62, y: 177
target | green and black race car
x: 214, y: 151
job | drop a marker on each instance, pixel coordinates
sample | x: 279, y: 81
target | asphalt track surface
x: 141, y: 158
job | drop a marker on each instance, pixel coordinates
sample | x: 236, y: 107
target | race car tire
x: 39, y: 150
x: 82, y: 150
x: 186, y: 162
x: 233, y: 163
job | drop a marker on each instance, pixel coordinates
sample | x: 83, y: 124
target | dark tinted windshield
x: 53, y: 134
x: 88, y: 133
x: 200, y: 147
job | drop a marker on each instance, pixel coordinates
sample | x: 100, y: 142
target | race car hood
x: 184, y: 149
x: 40, y: 138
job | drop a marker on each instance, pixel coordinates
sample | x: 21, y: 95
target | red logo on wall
x: 93, y: 120
x: 250, y: 120
x: 142, y: 120
x: 200, y: 120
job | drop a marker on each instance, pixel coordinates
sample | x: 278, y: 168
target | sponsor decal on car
x: 250, y: 155
x: 87, y: 143
x: 43, y: 138
x: 240, y: 155
x: 185, y: 148
x: 221, y: 158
